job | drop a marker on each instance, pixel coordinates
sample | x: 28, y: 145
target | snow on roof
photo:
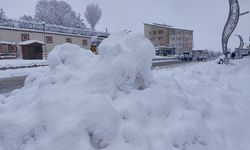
x: 30, y: 42
x: 20, y: 24
x: 6, y: 43
x: 165, y: 26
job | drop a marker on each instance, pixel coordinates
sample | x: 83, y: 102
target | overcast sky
x: 206, y: 17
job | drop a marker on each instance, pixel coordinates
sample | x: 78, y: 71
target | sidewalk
x: 20, y: 63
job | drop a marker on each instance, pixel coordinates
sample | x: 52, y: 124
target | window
x: 84, y: 42
x: 12, y: 48
x: 68, y: 40
x: 160, y: 32
x: 159, y: 38
x: 25, y: 37
x: 49, y: 39
x: 154, y: 32
x: 172, y: 32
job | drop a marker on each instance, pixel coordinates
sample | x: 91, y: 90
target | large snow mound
x: 69, y: 106
x: 115, y: 102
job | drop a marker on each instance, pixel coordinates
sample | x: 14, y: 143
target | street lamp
x: 45, y: 43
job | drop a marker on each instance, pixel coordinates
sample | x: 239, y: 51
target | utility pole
x: 45, y: 42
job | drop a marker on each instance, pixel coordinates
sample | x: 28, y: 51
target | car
x: 186, y: 56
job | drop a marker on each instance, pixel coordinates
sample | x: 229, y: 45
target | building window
x: 160, y: 32
x: 172, y: 32
x: 84, y: 42
x: 154, y: 32
x: 49, y: 39
x: 68, y: 40
x: 12, y: 48
x: 159, y: 38
x: 25, y: 37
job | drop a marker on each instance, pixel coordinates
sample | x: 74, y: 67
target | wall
x: 14, y: 35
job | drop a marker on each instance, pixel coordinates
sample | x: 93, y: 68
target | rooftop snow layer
x: 28, y: 42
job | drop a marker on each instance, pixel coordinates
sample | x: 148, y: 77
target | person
x: 233, y: 55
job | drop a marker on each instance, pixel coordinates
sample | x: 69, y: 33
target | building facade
x: 164, y: 35
x: 48, y: 36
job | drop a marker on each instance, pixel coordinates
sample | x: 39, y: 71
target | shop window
x: 84, y: 42
x: 25, y: 37
x: 68, y: 40
x: 49, y: 39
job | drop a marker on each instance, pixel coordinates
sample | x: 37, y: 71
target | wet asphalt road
x: 9, y: 84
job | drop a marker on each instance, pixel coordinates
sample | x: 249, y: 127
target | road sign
x: 93, y: 48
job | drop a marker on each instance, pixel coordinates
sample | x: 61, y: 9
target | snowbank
x: 109, y: 102
x: 69, y: 106
x: 15, y: 63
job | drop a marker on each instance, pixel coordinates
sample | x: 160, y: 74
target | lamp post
x: 45, y: 42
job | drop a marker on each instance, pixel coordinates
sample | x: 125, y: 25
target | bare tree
x: 58, y: 13
x: 93, y: 15
x: 27, y: 18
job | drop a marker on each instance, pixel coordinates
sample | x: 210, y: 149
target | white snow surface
x: 28, y: 42
x: 8, y: 63
x: 9, y: 73
x: 115, y: 102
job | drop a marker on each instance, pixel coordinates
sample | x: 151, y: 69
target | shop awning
x: 29, y: 42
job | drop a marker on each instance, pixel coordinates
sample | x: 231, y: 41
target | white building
x: 41, y: 38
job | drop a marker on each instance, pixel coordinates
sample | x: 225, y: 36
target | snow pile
x: 109, y: 102
x: 120, y: 66
x: 69, y: 106
x: 128, y: 60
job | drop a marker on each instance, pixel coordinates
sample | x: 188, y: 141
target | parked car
x: 186, y: 56
x: 200, y: 55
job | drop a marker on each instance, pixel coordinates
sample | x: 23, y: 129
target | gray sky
x: 206, y: 17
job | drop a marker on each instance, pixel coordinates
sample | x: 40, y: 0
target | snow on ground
x: 8, y: 63
x: 115, y: 102
x: 22, y: 72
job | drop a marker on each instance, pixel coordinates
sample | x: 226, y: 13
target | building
x: 31, y: 40
x: 165, y: 35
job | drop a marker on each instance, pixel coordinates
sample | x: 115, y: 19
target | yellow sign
x: 93, y: 48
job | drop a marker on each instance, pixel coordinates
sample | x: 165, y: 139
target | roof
x: 6, y: 43
x: 166, y: 26
x: 20, y: 24
x: 30, y: 42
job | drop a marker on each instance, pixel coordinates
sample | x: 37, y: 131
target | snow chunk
x: 128, y: 59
